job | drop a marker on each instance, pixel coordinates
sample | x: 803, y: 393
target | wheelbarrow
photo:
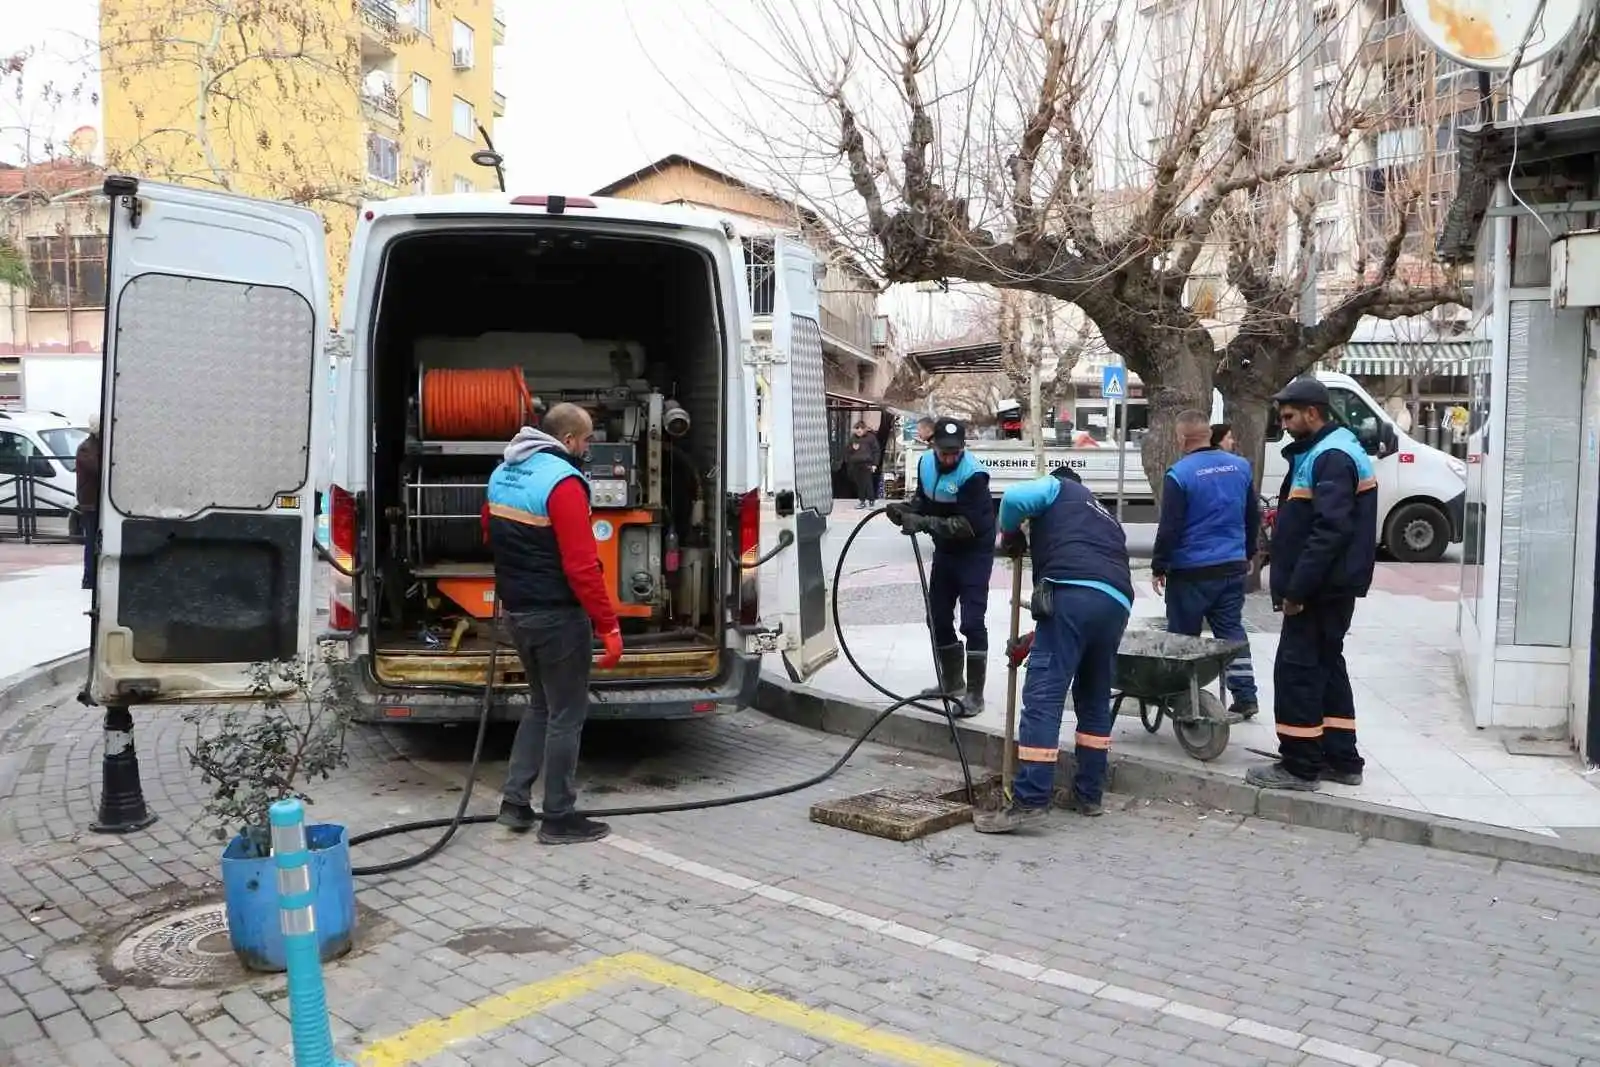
x: 1167, y: 674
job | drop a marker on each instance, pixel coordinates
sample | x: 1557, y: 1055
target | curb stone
x: 1143, y: 777
x: 27, y: 684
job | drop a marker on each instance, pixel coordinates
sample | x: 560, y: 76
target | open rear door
x: 215, y: 316
x: 801, y: 461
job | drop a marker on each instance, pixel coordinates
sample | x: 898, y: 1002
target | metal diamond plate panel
x: 813, y: 463
x: 212, y: 396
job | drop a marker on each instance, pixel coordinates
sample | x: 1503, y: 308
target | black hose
x: 461, y: 818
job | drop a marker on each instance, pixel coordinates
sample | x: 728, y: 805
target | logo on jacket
x: 602, y: 530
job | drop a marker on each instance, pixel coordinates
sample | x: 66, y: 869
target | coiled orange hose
x: 474, y: 404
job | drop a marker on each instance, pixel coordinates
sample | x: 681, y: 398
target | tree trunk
x: 1185, y: 383
x: 1248, y: 417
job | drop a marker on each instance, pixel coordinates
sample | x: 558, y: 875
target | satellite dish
x: 1486, y: 34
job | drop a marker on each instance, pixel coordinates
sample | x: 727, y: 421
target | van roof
x: 36, y: 420
x: 535, y: 205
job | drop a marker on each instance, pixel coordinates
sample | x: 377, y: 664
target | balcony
x: 846, y: 326
x: 499, y: 25
x: 381, y: 104
x: 499, y: 104
x: 1389, y: 40
x: 380, y: 25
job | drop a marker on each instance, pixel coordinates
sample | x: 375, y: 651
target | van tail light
x: 342, y: 544
x: 749, y: 552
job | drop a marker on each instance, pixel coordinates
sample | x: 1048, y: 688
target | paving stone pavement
x: 1155, y: 935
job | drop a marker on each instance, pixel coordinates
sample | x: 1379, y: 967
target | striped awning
x: 1443, y: 359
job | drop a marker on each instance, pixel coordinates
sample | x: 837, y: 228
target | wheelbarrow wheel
x: 1203, y: 736
x: 1152, y: 723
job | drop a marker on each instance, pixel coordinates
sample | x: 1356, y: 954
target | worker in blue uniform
x: 1324, y: 547
x: 1210, y: 516
x: 1082, y: 597
x: 952, y: 504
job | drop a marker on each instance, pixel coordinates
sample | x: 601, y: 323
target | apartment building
x: 272, y: 100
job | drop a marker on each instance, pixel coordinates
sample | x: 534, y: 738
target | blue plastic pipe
x: 308, y: 1002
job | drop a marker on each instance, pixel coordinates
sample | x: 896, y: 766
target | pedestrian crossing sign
x: 1113, y: 383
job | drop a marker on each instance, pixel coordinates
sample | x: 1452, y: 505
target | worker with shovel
x: 1082, y: 597
x: 952, y: 503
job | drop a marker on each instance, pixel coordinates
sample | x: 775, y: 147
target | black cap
x: 1304, y: 390
x: 1068, y: 473
x: 949, y: 435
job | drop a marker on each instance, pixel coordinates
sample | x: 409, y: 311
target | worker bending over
x: 952, y: 504
x: 1082, y: 597
x: 547, y: 578
x: 1324, y: 545
x: 1210, y: 517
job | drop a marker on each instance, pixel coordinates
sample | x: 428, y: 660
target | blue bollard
x: 308, y: 1003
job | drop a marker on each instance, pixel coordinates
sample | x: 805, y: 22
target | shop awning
x: 1442, y: 359
x: 963, y: 359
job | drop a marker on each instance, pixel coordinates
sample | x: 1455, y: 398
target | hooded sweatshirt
x: 537, y: 522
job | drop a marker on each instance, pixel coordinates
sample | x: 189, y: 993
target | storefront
x: 1527, y: 605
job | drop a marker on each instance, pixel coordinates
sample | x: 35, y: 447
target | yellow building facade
x: 321, y: 102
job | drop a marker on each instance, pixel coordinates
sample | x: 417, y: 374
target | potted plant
x: 252, y: 755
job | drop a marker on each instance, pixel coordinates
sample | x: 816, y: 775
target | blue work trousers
x: 960, y: 578
x: 1218, y: 602
x: 1076, y: 649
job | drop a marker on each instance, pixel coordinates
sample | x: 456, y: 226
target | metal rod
x: 1121, y: 414
x: 1308, y: 98
x: 1008, y: 751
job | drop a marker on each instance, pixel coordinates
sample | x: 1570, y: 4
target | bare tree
x: 1111, y: 159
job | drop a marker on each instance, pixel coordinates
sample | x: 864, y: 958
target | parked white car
x: 38, y: 451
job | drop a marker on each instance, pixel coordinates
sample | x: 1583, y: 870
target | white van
x: 1422, y: 492
x: 460, y: 311
x: 38, y: 471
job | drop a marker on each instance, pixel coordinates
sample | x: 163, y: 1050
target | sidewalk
x: 42, y: 605
x: 1422, y: 752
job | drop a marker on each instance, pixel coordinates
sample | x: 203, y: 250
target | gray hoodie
x: 528, y: 441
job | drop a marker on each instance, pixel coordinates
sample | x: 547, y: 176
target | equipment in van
x: 647, y: 494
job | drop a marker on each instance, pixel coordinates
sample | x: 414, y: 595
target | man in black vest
x: 1082, y: 597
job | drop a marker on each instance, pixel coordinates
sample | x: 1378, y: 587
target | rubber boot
x: 977, y: 674
x: 952, y: 658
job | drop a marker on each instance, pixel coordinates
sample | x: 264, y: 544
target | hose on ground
x: 950, y: 709
x: 474, y: 403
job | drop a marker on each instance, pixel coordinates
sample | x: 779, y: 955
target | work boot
x: 1083, y: 806
x: 977, y: 674
x: 952, y: 660
x: 1277, y: 776
x: 1246, y: 710
x: 518, y: 818
x: 572, y: 830
x: 1008, y: 819
x: 1342, y: 777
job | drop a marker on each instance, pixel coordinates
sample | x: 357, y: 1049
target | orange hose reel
x: 476, y: 404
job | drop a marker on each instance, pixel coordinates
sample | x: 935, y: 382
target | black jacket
x: 1325, y: 538
x: 959, y: 494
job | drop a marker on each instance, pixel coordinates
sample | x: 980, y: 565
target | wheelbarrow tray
x: 1155, y: 664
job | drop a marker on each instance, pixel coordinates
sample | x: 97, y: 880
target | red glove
x: 1017, y: 651
x: 483, y: 517
x: 613, y: 653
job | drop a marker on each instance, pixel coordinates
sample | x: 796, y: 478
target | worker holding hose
x: 548, y: 581
x: 1082, y: 597
x: 952, y: 504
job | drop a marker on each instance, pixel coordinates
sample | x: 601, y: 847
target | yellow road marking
x: 436, y: 1035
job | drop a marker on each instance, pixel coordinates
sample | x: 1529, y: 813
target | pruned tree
x: 1111, y: 158
x: 972, y: 398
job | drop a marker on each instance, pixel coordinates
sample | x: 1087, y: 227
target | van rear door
x: 215, y: 316
x: 802, y: 464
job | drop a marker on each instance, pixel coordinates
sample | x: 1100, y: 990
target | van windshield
x: 63, y: 444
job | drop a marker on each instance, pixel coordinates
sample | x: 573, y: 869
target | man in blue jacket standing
x: 952, y: 503
x: 1324, y: 546
x: 1207, y: 537
x: 1082, y: 597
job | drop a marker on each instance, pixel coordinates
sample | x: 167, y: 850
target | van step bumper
x: 438, y: 705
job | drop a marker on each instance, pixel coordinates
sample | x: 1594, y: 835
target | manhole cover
x: 188, y: 948
x: 898, y: 814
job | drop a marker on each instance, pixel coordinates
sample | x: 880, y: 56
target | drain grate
x: 187, y: 948
x: 898, y: 814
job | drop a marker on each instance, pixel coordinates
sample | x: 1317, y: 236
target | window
x: 464, y: 185
x: 421, y: 12
x: 461, y: 119
x: 1326, y: 238
x: 63, y: 445
x: 1321, y: 98
x: 1353, y: 411
x: 461, y: 44
x: 421, y: 95
x: 68, y: 272
x: 421, y: 177
x: 1327, y: 37
x: 17, y: 454
x: 383, y: 159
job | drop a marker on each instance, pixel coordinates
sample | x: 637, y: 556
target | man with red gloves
x: 547, y: 579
